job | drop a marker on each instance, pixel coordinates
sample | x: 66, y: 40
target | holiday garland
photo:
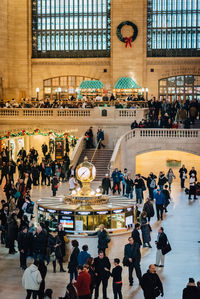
x: 128, y: 39
x: 38, y: 132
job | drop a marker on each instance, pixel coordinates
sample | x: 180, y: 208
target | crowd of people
x: 46, y: 244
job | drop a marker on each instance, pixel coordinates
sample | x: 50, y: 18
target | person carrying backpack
x: 151, y: 184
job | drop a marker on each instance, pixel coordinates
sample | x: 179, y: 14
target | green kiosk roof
x: 126, y: 83
x: 91, y: 84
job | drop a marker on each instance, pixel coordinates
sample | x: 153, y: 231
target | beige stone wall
x: 21, y: 74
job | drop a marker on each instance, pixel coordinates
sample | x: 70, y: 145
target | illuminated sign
x: 51, y: 211
x: 102, y: 212
x: 84, y: 213
x: 118, y: 211
x: 129, y: 209
x: 66, y: 212
x: 41, y: 209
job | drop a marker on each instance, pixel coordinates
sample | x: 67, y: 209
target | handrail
x: 77, y: 151
x: 95, y: 151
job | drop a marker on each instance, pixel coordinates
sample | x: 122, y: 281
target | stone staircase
x: 101, y: 160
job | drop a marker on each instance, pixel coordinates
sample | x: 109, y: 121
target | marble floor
x: 182, y: 226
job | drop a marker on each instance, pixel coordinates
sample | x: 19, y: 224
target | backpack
x: 30, y: 207
x: 153, y: 184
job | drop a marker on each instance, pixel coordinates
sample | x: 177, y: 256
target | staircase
x: 101, y: 161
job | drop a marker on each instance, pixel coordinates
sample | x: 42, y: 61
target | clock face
x: 84, y: 173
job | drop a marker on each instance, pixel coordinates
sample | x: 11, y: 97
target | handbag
x: 166, y: 249
x: 53, y: 256
x: 125, y: 262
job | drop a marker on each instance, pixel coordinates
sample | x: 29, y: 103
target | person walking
x: 23, y: 246
x: 136, y: 235
x: 160, y: 244
x: 183, y: 176
x: 160, y: 202
x: 191, y: 291
x: 138, y: 188
x: 129, y: 187
x: 82, y: 284
x: 31, y: 280
x: 148, y: 208
x: 106, y: 185
x: 151, y: 284
x: 100, y: 263
x: 145, y: 228
x: 193, y: 171
x: 73, y: 261
x: 117, y: 279
x: 170, y: 176
x: 48, y: 173
x: 162, y: 180
x: 192, y: 190
x: 132, y: 256
x: 54, y: 245
x: 54, y: 185
x: 167, y: 197
x: 116, y: 181
x: 151, y: 183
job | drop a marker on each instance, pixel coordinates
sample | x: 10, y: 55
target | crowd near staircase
x: 101, y: 160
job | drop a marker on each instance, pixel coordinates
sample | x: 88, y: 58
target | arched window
x: 70, y: 28
x: 180, y: 87
x: 173, y: 28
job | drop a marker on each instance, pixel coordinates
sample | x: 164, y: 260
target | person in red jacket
x: 83, y: 282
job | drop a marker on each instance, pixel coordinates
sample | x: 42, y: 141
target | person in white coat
x: 31, y: 280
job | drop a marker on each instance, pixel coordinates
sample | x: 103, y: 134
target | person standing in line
x: 136, y: 235
x: 106, y: 185
x: 160, y: 244
x: 82, y: 284
x: 151, y: 284
x: 83, y: 255
x: 133, y: 256
x: 191, y: 291
x: 160, y: 202
x: 31, y: 280
x: 100, y: 263
x: 117, y: 279
x: 73, y: 262
x: 192, y: 190
x: 183, y: 176
x: 170, y: 177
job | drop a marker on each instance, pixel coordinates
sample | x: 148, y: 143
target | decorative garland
x: 127, y: 40
x: 38, y: 132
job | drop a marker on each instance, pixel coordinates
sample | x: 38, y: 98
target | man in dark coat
x: 191, y: 291
x: 39, y: 243
x: 136, y: 235
x: 160, y: 243
x: 4, y: 172
x: 23, y: 246
x: 151, y: 284
x: 106, y: 185
x: 183, y: 172
x: 44, y: 149
x: 133, y: 256
x: 100, y: 263
x: 54, y: 185
x: 12, y: 231
x: 4, y: 213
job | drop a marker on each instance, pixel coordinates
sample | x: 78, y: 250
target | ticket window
x: 118, y: 221
x: 82, y: 222
x: 102, y: 219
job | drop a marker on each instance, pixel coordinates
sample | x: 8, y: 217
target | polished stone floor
x: 182, y: 226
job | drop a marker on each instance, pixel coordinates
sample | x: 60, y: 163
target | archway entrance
x: 157, y: 161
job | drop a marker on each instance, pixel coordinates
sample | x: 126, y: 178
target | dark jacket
x: 181, y: 171
x: 102, y: 239
x: 12, y: 227
x: 136, y: 236
x: 149, y: 209
x: 132, y: 251
x: 129, y: 185
x: 162, y: 241
x: 148, y: 283
x: 191, y: 292
x: 117, y: 274
x: 23, y: 241
x: 52, y: 241
x: 162, y: 180
x: 73, y: 262
x: 39, y: 242
x: 106, y: 183
x: 100, y: 264
x: 82, y: 257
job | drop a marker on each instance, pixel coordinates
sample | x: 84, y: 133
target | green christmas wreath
x: 129, y: 39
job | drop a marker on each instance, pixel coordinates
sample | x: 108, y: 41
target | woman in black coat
x: 149, y: 209
x: 54, y: 244
x: 61, y: 234
x: 145, y: 230
x: 73, y: 262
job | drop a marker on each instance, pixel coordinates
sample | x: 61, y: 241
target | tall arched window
x: 173, y: 28
x: 70, y: 28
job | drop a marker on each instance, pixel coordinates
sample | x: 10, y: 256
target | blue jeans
x: 138, y: 192
x: 161, y: 187
x: 130, y: 194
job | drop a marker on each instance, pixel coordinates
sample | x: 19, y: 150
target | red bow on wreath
x: 128, y: 41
